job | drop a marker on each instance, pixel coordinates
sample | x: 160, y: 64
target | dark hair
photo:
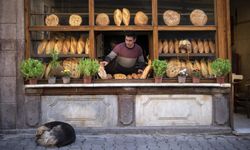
x: 130, y: 34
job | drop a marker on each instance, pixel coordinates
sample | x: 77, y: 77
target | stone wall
x: 11, y: 52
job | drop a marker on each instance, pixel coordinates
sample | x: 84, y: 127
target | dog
x: 55, y: 134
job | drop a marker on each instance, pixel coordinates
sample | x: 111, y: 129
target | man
x: 126, y: 57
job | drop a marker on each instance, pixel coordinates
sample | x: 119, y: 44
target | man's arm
x: 109, y: 58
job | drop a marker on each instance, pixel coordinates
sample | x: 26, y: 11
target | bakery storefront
x: 186, y: 34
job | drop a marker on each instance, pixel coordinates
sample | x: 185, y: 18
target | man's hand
x: 104, y: 63
x: 140, y: 71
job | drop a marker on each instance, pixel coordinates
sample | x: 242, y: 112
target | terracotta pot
x: 66, y: 80
x: 196, y: 79
x: 181, y: 79
x: 87, y: 79
x: 158, y: 79
x: 52, y: 80
x: 32, y: 81
x: 220, y: 80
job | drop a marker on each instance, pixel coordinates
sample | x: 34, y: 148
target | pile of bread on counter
x: 170, y: 17
x: 186, y: 46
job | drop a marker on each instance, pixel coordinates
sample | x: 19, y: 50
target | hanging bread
x: 165, y: 46
x: 66, y: 46
x: 176, y: 46
x: 160, y: 47
x: 171, y: 46
x: 173, y: 68
x: 50, y: 46
x: 125, y: 16
x: 87, y: 47
x: 41, y: 47
x: 59, y: 46
x: 200, y: 46
x: 206, y: 46
x: 194, y: 46
x: 141, y: 18
x: 102, y: 19
x: 189, y: 67
x: 211, y: 46
x: 118, y: 17
x: 198, y: 17
x: 80, y: 45
x: 146, y: 70
x: 52, y: 20
x: 210, y: 73
x: 171, y: 18
x: 185, y: 46
x: 204, y: 69
x: 75, y: 20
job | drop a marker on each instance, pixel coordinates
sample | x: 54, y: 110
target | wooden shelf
x: 123, y: 28
x: 63, y: 56
x: 59, y: 28
x: 187, y: 55
x: 187, y: 28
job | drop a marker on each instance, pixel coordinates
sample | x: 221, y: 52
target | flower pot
x: 181, y: 79
x: 195, y: 79
x: 52, y: 80
x: 158, y: 79
x: 87, y: 79
x: 220, y: 80
x: 66, y: 80
x: 32, y: 81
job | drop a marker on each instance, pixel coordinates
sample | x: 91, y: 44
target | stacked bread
x: 72, y: 65
x: 122, y: 16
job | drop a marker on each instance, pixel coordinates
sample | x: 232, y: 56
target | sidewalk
x: 134, y: 142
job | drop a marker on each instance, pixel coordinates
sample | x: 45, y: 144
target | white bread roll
x: 118, y: 17
x: 125, y: 16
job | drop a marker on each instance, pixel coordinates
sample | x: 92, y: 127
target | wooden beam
x: 27, y: 24
x: 155, y: 30
x: 91, y: 31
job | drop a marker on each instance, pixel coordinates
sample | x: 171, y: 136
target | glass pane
x: 184, y: 8
x: 63, y: 9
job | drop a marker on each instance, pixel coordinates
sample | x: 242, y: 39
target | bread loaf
x: 141, y: 18
x: 80, y: 45
x: 204, y: 69
x: 160, y: 47
x: 118, y: 17
x: 146, y: 70
x: 165, y: 47
x: 211, y: 46
x: 200, y: 46
x: 176, y: 46
x: 173, y: 68
x: 171, y: 18
x: 206, y: 46
x: 189, y: 67
x: 210, y: 73
x: 73, y: 45
x: 125, y: 16
x: 102, y: 19
x: 50, y: 46
x: 185, y: 46
x: 72, y: 65
x: 197, y: 65
x: 171, y: 46
x: 87, y: 47
x: 194, y: 46
x: 198, y: 17
x: 102, y: 73
x: 66, y: 46
x: 52, y: 20
x: 59, y: 46
x: 120, y: 76
x: 41, y: 47
x: 75, y: 20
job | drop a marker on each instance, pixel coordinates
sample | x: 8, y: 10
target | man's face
x: 130, y: 41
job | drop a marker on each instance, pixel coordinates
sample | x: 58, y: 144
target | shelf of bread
x: 59, y: 28
x: 62, y: 56
x: 122, y: 28
x: 187, y: 28
x: 187, y: 55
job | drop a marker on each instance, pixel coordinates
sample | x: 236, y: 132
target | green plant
x: 88, y: 67
x: 221, y: 67
x: 159, y: 67
x: 31, y: 68
x: 196, y: 73
x: 54, y: 59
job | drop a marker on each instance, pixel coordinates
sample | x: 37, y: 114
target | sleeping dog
x: 55, y: 133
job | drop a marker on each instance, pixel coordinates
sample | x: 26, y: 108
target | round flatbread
x: 52, y: 20
x: 198, y: 17
x: 75, y: 20
x: 171, y: 18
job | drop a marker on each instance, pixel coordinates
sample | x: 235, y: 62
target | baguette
x: 211, y: 46
x: 206, y: 46
x: 80, y: 45
x: 165, y: 47
x: 171, y: 46
x: 50, y: 46
x: 59, y: 46
x: 118, y: 17
x: 73, y: 45
x: 125, y: 16
x: 200, y: 46
x: 194, y: 46
x: 176, y: 45
x: 146, y: 70
x: 160, y: 47
x: 41, y: 47
x: 66, y: 46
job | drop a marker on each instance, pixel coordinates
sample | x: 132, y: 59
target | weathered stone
x: 9, y: 45
x: 8, y: 31
x: 126, y: 109
x: 8, y: 89
x: 8, y: 63
x: 81, y: 111
x: 8, y: 116
x: 221, y: 109
x: 162, y: 110
x: 33, y: 109
x: 8, y: 11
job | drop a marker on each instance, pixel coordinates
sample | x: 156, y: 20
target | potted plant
x: 220, y: 68
x: 196, y: 75
x: 66, y: 76
x: 88, y: 68
x: 32, y: 69
x: 159, y: 67
x: 53, y: 64
x: 182, y: 75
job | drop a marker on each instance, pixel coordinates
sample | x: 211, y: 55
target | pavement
x: 134, y: 142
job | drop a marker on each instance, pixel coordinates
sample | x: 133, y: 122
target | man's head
x: 130, y: 39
